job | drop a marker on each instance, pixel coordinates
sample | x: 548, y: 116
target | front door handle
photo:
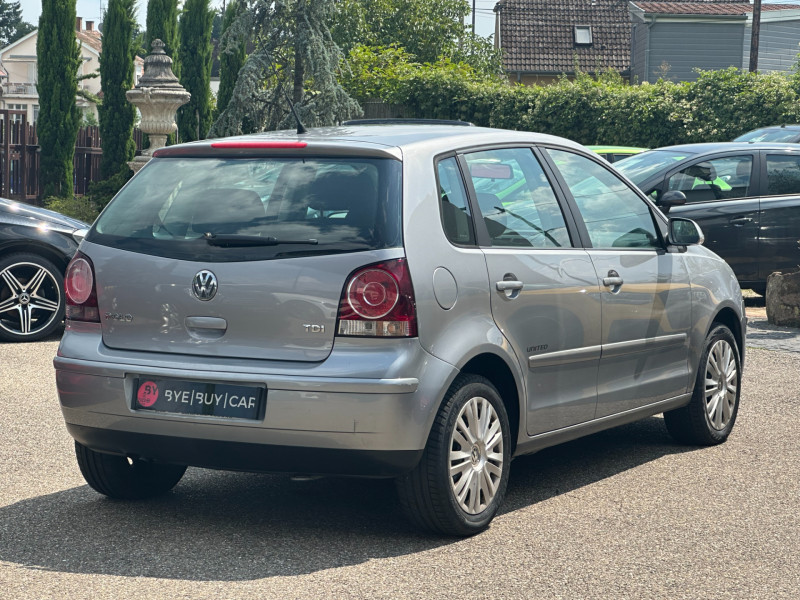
x: 740, y: 221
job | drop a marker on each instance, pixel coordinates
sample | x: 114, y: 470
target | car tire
x: 711, y: 413
x: 31, y: 297
x: 124, y: 478
x: 460, y: 482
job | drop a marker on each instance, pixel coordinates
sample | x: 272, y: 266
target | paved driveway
x: 621, y: 514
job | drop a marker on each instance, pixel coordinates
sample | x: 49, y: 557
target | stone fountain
x: 158, y: 96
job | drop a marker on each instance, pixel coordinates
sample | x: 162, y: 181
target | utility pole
x: 473, y: 18
x: 754, y: 36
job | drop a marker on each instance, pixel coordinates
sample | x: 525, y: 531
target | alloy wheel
x: 30, y: 298
x: 476, y: 455
x: 721, y: 385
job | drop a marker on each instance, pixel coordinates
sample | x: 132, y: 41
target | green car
x: 615, y: 153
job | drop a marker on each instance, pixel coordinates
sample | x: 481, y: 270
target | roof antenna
x: 300, y: 128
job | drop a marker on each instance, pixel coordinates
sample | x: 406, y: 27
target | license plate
x: 198, y: 398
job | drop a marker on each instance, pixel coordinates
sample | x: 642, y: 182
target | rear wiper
x: 234, y: 241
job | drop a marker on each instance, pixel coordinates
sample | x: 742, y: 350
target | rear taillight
x: 378, y: 301
x: 80, y: 290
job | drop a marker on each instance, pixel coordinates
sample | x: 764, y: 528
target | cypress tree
x: 194, y: 118
x: 117, y: 115
x: 231, y: 59
x: 162, y: 24
x: 58, y: 58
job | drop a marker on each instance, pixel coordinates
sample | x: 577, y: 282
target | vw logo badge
x: 204, y: 285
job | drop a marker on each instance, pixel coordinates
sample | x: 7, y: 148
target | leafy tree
x: 162, y: 24
x: 12, y: 27
x: 117, y: 115
x: 230, y: 60
x: 295, y: 56
x: 58, y: 57
x: 194, y: 118
x: 429, y: 30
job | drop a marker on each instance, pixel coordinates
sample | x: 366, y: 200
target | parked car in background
x: 745, y: 197
x: 777, y: 133
x: 35, y: 247
x: 615, y: 153
x: 422, y: 302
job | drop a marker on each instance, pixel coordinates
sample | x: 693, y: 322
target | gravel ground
x: 622, y: 514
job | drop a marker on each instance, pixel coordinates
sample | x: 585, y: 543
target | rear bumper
x: 240, y: 456
x: 370, y: 415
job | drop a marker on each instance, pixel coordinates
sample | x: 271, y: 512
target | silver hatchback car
x: 423, y: 302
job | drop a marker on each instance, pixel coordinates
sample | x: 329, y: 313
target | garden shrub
x: 601, y: 109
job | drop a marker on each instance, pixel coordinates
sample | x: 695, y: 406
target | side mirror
x: 685, y: 232
x: 670, y: 199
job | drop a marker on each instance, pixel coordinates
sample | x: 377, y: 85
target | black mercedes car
x: 745, y: 197
x: 35, y: 247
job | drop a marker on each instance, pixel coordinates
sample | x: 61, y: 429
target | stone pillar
x: 783, y: 299
x: 158, y: 96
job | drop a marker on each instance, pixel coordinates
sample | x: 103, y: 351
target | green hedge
x: 605, y: 110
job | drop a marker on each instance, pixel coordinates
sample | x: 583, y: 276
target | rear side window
x: 783, y: 174
x: 517, y: 204
x: 255, y: 208
x: 456, y: 218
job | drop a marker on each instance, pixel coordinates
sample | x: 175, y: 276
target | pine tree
x: 194, y: 118
x: 294, y: 56
x: 117, y: 115
x: 58, y: 58
x: 231, y: 59
x: 162, y: 24
x: 12, y: 27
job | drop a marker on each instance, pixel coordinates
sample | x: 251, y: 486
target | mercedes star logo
x: 204, y: 285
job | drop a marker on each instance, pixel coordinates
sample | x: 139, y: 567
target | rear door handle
x: 613, y: 280
x: 740, y: 220
x: 503, y: 286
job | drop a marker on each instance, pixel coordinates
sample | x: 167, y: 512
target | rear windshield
x: 769, y: 135
x: 238, y: 209
x: 640, y: 167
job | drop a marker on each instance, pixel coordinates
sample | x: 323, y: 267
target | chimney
x: 78, y: 23
x: 89, y: 25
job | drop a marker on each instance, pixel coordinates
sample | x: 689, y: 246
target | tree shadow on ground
x: 222, y: 526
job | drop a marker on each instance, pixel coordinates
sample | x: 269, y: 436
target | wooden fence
x: 19, y: 157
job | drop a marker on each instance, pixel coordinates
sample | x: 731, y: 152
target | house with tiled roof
x: 642, y: 40
x: 18, y: 71
x: 543, y: 39
x: 673, y: 39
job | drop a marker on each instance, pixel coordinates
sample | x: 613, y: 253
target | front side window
x: 229, y: 209
x: 516, y: 201
x: 783, y: 174
x: 725, y: 178
x: 614, y: 215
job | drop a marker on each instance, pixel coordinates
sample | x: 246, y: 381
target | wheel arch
x: 727, y: 316
x: 499, y: 373
x: 18, y: 247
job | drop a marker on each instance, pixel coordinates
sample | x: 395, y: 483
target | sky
x: 91, y: 10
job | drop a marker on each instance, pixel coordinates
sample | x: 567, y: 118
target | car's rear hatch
x: 240, y: 257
